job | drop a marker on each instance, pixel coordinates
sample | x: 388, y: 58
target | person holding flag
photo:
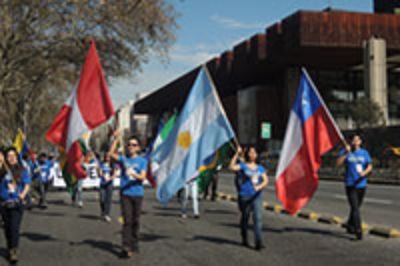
x: 358, y: 166
x: 133, y: 174
x: 252, y: 181
x: 14, y: 187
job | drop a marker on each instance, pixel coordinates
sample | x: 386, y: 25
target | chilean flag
x: 88, y: 106
x: 311, y: 132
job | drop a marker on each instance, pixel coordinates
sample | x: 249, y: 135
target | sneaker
x: 13, y: 255
x: 107, y: 218
x: 80, y: 204
x: 259, y: 246
x: 184, y: 216
x: 126, y: 254
x: 196, y: 216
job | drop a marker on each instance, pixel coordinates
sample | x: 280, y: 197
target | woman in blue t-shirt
x: 358, y: 165
x: 13, y: 189
x: 133, y: 174
x: 251, y: 181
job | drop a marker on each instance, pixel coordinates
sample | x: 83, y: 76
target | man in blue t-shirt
x: 45, y: 168
x: 133, y: 173
x: 358, y: 165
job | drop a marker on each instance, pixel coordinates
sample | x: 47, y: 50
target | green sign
x: 265, y: 130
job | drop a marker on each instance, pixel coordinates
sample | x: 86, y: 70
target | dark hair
x: 3, y: 170
x: 246, y: 153
x: 133, y: 137
x: 16, y: 170
x: 357, y: 134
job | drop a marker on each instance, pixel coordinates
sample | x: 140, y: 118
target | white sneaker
x: 80, y: 204
x: 184, y: 216
x: 107, y: 219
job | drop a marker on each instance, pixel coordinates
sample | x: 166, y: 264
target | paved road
x: 62, y: 235
x: 381, y: 204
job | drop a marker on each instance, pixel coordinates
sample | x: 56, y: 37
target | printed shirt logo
x: 184, y: 140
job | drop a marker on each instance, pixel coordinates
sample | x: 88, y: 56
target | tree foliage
x: 43, y: 45
x: 366, y: 113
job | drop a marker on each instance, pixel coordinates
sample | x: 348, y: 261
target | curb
x: 385, y: 232
x: 382, y: 231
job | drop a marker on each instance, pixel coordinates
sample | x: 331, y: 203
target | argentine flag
x: 200, y: 130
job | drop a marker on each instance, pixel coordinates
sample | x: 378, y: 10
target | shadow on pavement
x: 161, y: 208
x: 151, y: 237
x: 217, y: 211
x: 101, y: 245
x: 166, y: 214
x: 36, y: 237
x: 89, y: 217
x: 45, y: 213
x: 318, y: 232
x: 58, y: 202
x: 216, y: 240
x: 265, y: 229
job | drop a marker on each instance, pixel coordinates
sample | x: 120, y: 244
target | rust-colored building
x: 257, y: 79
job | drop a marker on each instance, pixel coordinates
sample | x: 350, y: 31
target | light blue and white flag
x: 200, y: 130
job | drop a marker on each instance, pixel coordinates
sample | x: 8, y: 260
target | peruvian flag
x: 311, y: 132
x: 87, y: 107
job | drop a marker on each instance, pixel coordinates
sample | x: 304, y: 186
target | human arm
x: 233, y: 165
x: 343, y: 157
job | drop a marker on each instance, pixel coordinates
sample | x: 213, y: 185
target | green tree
x: 366, y: 113
x: 43, y: 44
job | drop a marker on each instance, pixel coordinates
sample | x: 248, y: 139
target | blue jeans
x: 247, y: 205
x: 106, y: 199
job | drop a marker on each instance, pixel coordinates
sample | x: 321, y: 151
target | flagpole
x: 214, y: 89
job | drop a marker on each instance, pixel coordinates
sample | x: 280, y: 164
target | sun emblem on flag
x: 184, y: 139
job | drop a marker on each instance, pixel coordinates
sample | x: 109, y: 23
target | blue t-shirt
x: 129, y: 185
x: 8, y: 192
x: 107, y: 170
x: 356, y: 162
x: 45, y: 170
x: 249, y: 178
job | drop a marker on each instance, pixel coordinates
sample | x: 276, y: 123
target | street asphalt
x: 66, y: 235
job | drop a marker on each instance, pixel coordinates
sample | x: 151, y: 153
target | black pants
x: 214, y: 185
x: 355, y: 197
x: 131, y: 208
x: 12, y: 218
x: 106, y: 199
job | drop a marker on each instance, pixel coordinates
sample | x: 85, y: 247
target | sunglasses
x: 133, y: 144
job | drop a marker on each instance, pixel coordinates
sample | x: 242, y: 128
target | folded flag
x: 311, y: 132
x: 88, y: 106
x: 199, y: 131
x: 211, y: 166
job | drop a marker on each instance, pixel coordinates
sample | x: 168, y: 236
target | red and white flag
x: 311, y: 132
x: 87, y: 107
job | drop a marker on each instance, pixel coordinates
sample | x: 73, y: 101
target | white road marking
x: 370, y: 200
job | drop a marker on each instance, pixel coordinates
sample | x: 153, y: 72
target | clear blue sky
x: 209, y: 27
